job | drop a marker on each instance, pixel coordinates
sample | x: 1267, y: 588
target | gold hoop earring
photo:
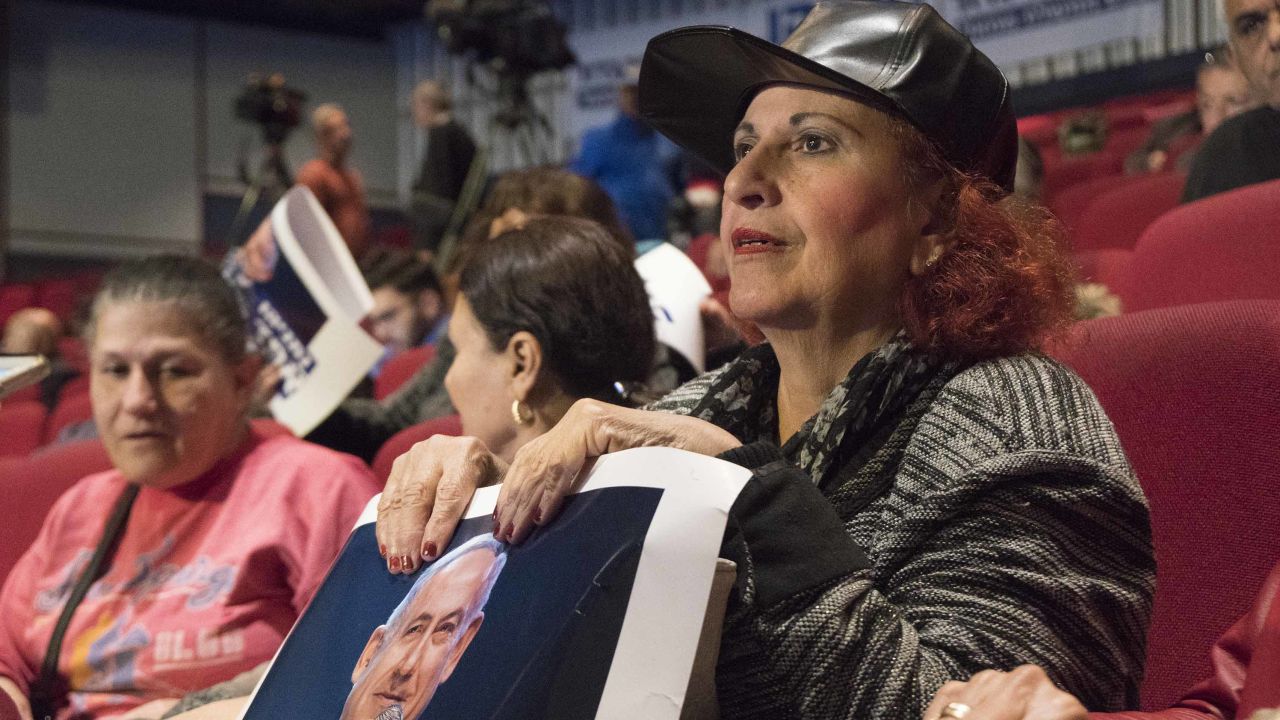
x: 521, y: 414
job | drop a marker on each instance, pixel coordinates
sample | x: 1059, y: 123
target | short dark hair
x: 211, y: 305
x: 398, y: 269
x: 576, y: 290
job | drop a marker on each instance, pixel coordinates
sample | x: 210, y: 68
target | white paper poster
x: 305, y: 298
x: 676, y: 288
x: 596, y: 615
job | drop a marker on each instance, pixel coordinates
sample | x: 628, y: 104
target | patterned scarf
x: 743, y: 400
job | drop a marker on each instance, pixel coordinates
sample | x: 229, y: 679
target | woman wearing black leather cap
x: 931, y: 496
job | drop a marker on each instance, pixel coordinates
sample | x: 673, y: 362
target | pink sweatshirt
x: 206, y: 581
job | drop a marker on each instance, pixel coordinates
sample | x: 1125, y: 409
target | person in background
x: 338, y: 186
x: 1245, y: 149
x: 1222, y: 92
x: 930, y: 494
x: 408, y: 302
x: 1245, y: 684
x: 634, y: 164
x: 531, y: 340
x: 223, y: 532
x: 446, y: 164
x: 35, y: 331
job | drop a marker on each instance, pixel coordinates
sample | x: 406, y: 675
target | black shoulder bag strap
x: 48, y: 693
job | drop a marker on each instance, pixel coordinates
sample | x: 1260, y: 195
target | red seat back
x: 1069, y: 204
x: 33, y: 484
x: 1225, y: 247
x: 1192, y: 393
x: 14, y: 298
x: 21, y: 426
x: 400, y: 443
x: 397, y: 370
x: 1118, y: 215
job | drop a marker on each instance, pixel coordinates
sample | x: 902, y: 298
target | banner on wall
x: 1010, y: 32
x: 596, y: 615
x: 1015, y: 31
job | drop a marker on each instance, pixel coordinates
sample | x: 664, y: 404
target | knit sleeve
x: 1030, y: 558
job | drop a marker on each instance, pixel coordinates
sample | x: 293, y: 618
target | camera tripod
x: 271, y: 181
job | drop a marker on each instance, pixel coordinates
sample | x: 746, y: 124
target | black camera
x: 272, y: 105
x: 518, y: 37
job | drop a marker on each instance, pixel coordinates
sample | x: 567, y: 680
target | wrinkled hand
x: 546, y: 469
x: 258, y: 255
x: 1025, y: 693
x: 428, y: 490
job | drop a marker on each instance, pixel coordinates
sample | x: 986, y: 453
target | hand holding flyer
x: 595, y: 616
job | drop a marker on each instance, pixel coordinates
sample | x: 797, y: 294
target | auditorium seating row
x: 1225, y: 247
x: 1129, y: 121
x: 61, y: 295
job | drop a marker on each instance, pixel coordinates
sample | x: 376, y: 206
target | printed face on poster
x: 594, y: 616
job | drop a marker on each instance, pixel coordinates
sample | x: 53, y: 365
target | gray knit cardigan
x: 1001, y: 524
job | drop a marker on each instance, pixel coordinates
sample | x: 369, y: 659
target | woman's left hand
x: 1025, y: 693
x: 544, y: 470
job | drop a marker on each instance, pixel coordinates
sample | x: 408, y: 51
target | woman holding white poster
x: 931, y: 496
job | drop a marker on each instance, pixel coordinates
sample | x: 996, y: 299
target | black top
x: 1244, y: 150
x: 445, y: 164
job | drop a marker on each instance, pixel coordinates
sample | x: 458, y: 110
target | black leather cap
x: 901, y: 58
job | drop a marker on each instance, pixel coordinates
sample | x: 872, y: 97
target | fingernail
x: 537, y: 515
x: 508, y: 531
x: 406, y: 563
x: 429, y: 550
x: 497, y: 529
x: 382, y: 550
x: 394, y: 563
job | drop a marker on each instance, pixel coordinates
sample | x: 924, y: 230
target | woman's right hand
x: 428, y: 490
x: 1025, y: 693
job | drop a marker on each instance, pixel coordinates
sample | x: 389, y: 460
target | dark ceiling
x: 358, y: 18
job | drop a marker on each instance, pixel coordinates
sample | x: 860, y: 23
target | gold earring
x: 521, y: 414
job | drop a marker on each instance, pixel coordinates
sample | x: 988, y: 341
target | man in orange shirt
x: 338, y: 187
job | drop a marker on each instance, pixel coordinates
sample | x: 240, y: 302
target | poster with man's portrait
x: 596, y: 615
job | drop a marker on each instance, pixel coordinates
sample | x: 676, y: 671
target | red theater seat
x: 1118, y: 215
x: 13, y: 298
x: 1070, y: 204
x: 1225, y: 247
x: 1192, y: 393
x: 1103, y: 266
x: 400, y: 443
x: 21, y: 426
x: 397, y: 370
x: 34, y: 485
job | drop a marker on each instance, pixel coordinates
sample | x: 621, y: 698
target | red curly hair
x: 1004, y: 285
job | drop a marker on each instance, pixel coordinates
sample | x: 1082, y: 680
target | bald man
x: 337, y: 186
x: 1245, y: 149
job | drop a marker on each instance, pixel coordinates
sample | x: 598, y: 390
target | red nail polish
x: 406, y: 563
x: 508, y: 531
x: 382, y: 550
x: 429, y: 552
x: 394, y: 563
x: 497, y: 529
